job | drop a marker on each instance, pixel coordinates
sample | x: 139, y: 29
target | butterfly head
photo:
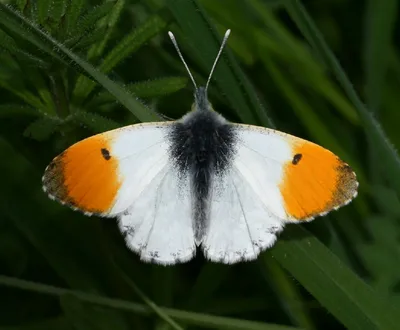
x: 201, y: 102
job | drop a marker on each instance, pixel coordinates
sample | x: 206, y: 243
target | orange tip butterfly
x: 200, y: 181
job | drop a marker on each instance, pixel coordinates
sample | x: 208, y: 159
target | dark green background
x: 280, y: 69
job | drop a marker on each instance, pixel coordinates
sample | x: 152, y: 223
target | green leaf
x: 148, y: 89
x: 43, y: 9
x: 57, y: 10
x: 379, y: 29
x: 94, y: 122
x: 41, y: 129
x: 74, y: 11
x: 18, y: 89
x: 138, y: 109
x: 97, y: 49
x: 90, y: 19
x: 389, y: 159
x: 334, y: 285
x: 11, y: 110
x: 123, y: 49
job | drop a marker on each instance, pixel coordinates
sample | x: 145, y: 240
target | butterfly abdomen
x: 202, y: 147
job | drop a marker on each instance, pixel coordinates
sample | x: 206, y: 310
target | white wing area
x: 153, y: 205
x: 158, y: 225
x: 246, y: 205
x: 142, y: 152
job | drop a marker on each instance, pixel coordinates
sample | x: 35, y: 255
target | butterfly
x: 200, y: 181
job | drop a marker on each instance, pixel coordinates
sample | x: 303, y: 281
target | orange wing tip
x: 84, y: 177
x: 315, y: 182
x: 53, y: 186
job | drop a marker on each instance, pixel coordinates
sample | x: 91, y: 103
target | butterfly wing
x: 127, y: 173
x: 103, y: 173
x: 274, y: 178
x: 158, y: 224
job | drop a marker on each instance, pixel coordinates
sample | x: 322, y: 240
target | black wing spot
x: 296, y: 159
x: 105, y: 153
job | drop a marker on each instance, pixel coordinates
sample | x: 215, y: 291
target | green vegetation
x: 327, y: 71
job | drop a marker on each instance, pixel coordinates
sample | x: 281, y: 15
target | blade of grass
x: 204, y: 320
x: 332, y: 283
x: 8, y: 17
x: 201, y: 34
x: 379, y: 27
x: 389, y: 159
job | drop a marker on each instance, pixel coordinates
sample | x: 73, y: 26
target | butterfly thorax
x: 202, y: 146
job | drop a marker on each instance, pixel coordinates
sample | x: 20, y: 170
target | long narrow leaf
x: 335, y: 286
x: 187, y: 317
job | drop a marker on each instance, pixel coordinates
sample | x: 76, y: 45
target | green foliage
x: 71, y: 68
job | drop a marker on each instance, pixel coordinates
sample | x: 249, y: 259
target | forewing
x: 296, y: 179
x: 103, y: 174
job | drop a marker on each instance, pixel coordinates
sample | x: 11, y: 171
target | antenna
x: 180, y: 55
x: 227, y: 33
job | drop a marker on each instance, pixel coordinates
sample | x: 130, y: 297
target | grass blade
x: 334, y: 285
x: 389, y: 159
x: 187, y: 317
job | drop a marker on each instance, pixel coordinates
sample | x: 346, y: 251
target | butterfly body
x: 202, y: 146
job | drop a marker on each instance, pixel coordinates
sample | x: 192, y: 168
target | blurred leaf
x: 287, y: 293
x: 41, y: 129
x: 387, y: 200
x: 11, y: 110
x: 382, y: 252
x: 379, y: 28
x: 17, y: 88
x: 84, y: 316
x: 58, y: 323
x: 90, y: 19
x: 57, y: 10
x: 94, y: 122
x: 148, y: 89
x: 74, y: 11
x: 43, y: 9
x: 207, y: 282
